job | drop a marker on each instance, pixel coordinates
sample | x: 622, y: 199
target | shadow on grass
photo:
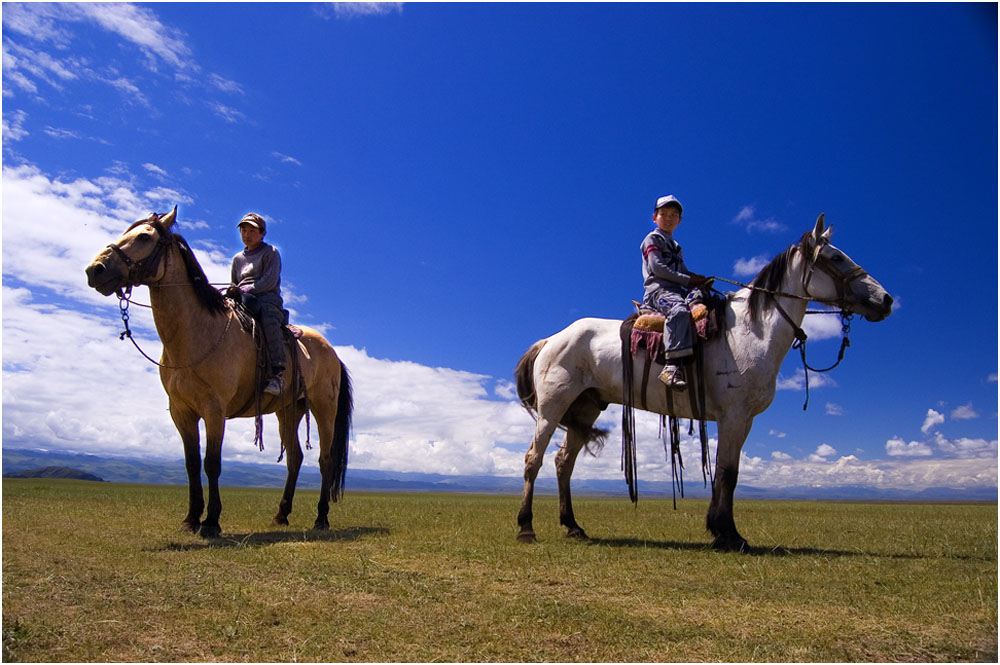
x: 259, y: 539
x: 776, y: 551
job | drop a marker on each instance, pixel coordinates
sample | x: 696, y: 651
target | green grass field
x: 99, y: 572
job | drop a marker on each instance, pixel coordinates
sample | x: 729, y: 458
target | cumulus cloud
x: 932, y: 420
x: 822, y: 452
x: 57, y: 387
x: 897, y: 447
x: 833, y: 409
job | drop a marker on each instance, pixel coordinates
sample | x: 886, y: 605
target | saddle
x: 291, y: 334
x: 644, y: 330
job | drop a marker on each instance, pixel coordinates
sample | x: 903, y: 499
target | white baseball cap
x: 669, y: 198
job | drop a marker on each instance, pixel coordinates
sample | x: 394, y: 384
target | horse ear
x: 168, y: 219
x: 827, y: 233
x: 818, y: 231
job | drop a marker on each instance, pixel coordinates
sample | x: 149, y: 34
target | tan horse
x: 208, y: 368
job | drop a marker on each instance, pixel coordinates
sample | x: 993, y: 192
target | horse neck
x: 182, y: 323
x: 772, y: 334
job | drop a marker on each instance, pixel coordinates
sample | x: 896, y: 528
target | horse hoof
x: 208, y: 532
x: 577, y: 533
x: 321, y: 526
x: 731, y: 544
x: 190, y: 527
x: 527, y: 537
x: 279, y: 521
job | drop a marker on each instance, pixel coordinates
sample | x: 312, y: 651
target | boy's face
x: 251, y: 236
x: 667, y: 218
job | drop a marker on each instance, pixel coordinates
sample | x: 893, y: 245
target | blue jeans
x: 677, y: 329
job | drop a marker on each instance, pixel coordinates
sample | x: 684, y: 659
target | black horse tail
x: 579, y: 418
x: 524, y: 376
x: 341, y: 434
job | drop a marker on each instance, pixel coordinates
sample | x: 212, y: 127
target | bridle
x: 140, y: 271
x: 842, y: 281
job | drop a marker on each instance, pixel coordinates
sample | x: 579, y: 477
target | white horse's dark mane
x: 771, y: 277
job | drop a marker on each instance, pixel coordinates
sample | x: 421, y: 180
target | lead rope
x: 124, y: 299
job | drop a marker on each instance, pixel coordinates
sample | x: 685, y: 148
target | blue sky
x: 448, y: 183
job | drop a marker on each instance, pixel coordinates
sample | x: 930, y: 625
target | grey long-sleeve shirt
x: 663, y: 264
x: 258, y: 271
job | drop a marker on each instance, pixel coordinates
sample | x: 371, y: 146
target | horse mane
x: 771, y: 277
x: 206, y: 294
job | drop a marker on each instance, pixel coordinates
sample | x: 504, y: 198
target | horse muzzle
x: 104, y: 279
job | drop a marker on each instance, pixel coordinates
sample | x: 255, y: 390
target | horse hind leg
x: 288, y: 424
x: 580, y: 431
x: 544, y: 429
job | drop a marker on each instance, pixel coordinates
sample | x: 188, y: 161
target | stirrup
x: 275, y: 385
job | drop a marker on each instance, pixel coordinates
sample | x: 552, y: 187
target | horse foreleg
x: 544, y: 428
x: 288, y: 424
x: 187, y: 426
x: 720, y: 522
x: 214, y: 429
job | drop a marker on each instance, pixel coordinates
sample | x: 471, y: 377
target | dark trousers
x: 267, y: 308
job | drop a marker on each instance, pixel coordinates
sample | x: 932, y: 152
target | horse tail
x: 579, y: 418
x: 524, y: 376
x: 341, y: 433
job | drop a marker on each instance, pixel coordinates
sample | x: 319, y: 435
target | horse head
x: 135, y: 258
x: 831, y: 277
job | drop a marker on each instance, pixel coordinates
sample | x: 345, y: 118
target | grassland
x: 99, y: 572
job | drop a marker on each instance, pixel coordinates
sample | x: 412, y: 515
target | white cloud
x: 798, y: 381
x: 749, y: 267
x: 13, y: 126
x: 227, y: 113
x: 78, y: 387
x: 932, y: 420
x: 354, y: 9
x: 780, y: 435
x: 833, y: 409
x: 822, y: 452
x: 285, y: 159
x: 966, y: 448
x: 153, y: 168
x: 748, y: 218
x: 897, y: 447
x: 965, y: 412
x: 822, y: 326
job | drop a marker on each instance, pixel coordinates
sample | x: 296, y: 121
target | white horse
x: 567, y: 379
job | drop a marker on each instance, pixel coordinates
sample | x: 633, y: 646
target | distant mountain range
x: 54, y: 472
x: 241, y: 474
